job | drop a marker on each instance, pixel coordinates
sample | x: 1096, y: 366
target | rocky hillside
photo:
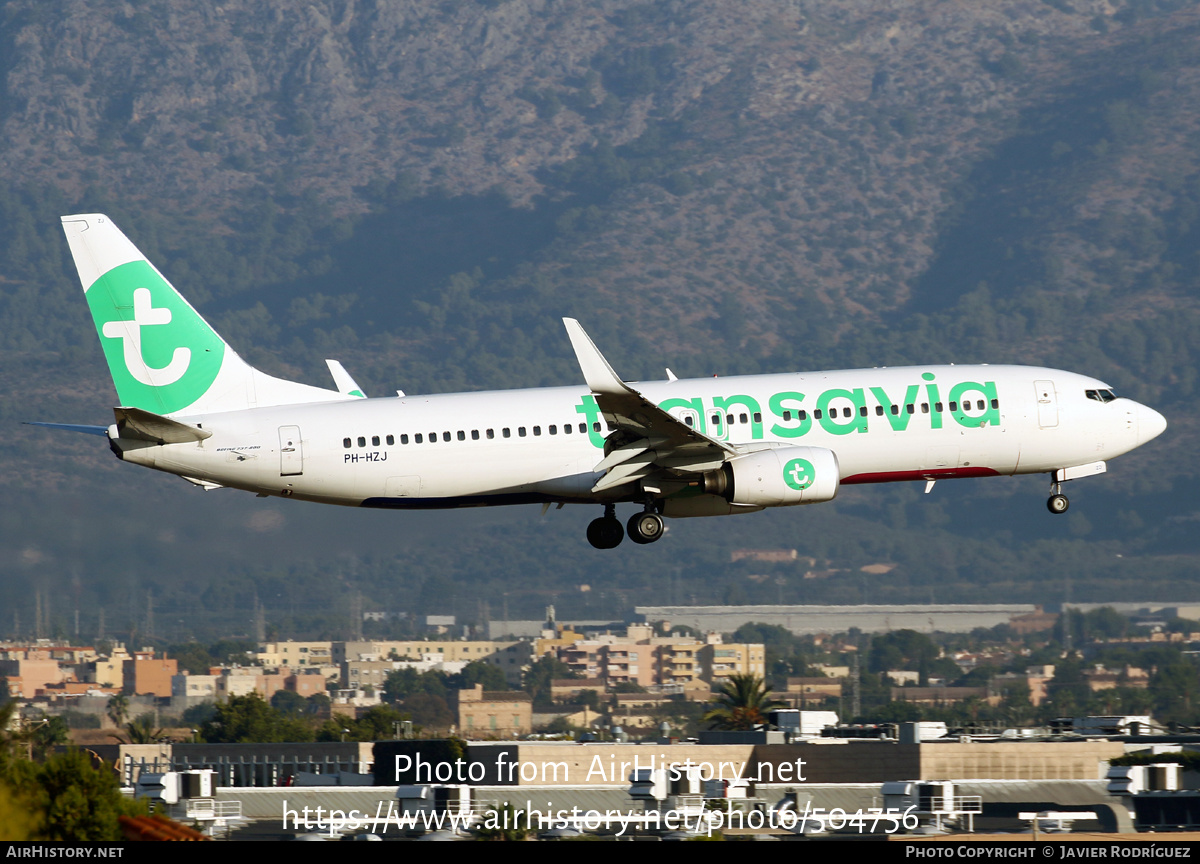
x: 764, y: 154
x: 421, y: 190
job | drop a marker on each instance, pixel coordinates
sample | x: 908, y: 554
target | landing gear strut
x: 606, y: 532
x: 645, y: 527
x: 1057, y: 503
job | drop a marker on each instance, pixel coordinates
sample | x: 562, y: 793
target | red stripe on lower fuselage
x: 927, y: 474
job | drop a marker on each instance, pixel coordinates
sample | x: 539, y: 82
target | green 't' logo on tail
x: 162, y: 355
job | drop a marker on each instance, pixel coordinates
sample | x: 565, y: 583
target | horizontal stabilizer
x: 71, y: 427
x: 145, y: 426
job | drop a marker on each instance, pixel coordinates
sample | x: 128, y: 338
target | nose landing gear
x: 1057, y: 503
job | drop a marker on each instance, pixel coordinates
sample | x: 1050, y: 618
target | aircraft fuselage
x: 512, y: 446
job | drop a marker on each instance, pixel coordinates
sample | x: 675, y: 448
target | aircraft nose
x: 1151, y: 424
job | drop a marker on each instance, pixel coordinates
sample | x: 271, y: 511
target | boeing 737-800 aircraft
x: 189, y: 405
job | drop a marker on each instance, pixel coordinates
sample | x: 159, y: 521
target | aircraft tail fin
x: 163, y: 356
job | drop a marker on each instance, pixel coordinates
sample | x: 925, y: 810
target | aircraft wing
x: 648, y: 439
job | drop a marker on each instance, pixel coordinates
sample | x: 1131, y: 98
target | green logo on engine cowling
x: 799, y: 474
x: 162, y: 355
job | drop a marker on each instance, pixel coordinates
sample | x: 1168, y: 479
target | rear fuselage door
x: 1047, y: 404
x: 291, y: 453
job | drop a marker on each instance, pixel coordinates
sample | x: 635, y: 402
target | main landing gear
x: 1057, y: 502
x: 643, y: 528
x: 606, y: 532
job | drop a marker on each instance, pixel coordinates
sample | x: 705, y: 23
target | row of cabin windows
x: 911, y: 408
x: 729, y: 419
x: 461, y: 435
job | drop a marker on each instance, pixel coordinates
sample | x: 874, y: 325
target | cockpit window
x: 1100, y: 395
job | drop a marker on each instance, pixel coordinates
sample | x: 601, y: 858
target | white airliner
x: 189, y: 405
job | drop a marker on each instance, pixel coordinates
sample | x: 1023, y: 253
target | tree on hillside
x: 289, y: 702
x: 479, y: 672
x: 67, y: 797
x: 249, y: 719
x: 540, y: 675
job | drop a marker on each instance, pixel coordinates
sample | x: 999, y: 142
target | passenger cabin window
x: 391, y: 439
x: 445, y: 436
x: 582, y: 427
x: 404, y: 439
x: 491, y: 433
x: 418, y: 439
x: 787, y: 415
x: 537, y: 430
x: 757, y: 416
x: 474, y: 434
x: 688, y: 420
x: 374, y: 440
x: 506, y: 432
x: 953, y: 406
x: 521, y: 431
x: 817, y: 413
x: 346, y: 442
x: 895, y: 410
x: 553, y: 430
x: 362, y: 442
x: 742, y: 418
x: 878, y: 410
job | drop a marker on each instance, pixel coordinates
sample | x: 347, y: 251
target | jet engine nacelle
x: 780, y: 476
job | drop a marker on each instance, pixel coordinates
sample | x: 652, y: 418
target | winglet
x: 598, y: 374
x: 346, y: 385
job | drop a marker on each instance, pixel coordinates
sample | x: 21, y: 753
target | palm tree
x: 742, y: 704
x: 118, y: 709
x: 140, y: 731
